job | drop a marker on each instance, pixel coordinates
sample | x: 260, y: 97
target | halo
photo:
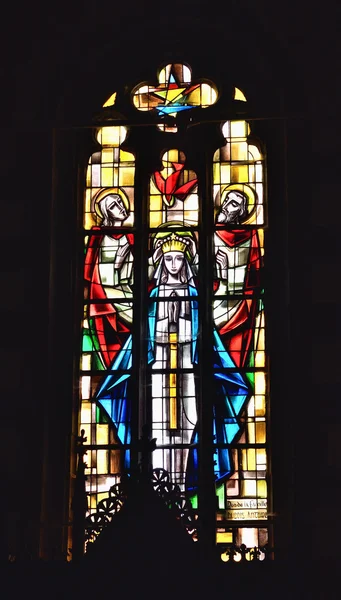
x: 108, y: 192
x: 250, y: 194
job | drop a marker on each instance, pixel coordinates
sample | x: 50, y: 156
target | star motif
x: 175, y: 92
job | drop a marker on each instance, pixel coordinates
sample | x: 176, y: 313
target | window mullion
x: 206, y: 493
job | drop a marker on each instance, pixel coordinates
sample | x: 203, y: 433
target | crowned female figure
x: 173, y: 331
x: 172, y: 351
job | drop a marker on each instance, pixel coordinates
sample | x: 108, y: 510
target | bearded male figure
x: 238, y: 267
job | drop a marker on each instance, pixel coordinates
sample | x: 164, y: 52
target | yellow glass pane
x: 107, y: 155
x: 208, y: 94
x: 172, y: 156
x: 115, y: 177
x: 102, y: 434
x: 260, y: 359
x: 152, y: 188
x: 88, y: 176
x: 260, y: 406
x: 86, y: 362
x: 155, y: 219
x: 106, y: 177
x: 254, y: 153
x: 88, y: 220
x: 260, y: 432
x: 251, y: 432
x: 93, y: 501
x: 111, y: 136
x: 238, y: 129
x: 261, y: 488
x: 86, y: 412
x: 101, y: 496
x: 194, y: 97
x: 239, y: 151
x: 239, y: 174
x: 126, y: 156
x: 127, y: 176
x: 155, y: 202
x: 225, y: 173
x: 111, y: 100
x: 102, y: 462
x: 216, y: 172
x: 238, y: 95
x: 261, y: 457
x: 87, y: 207
x: 261, y: 337
x: 251, y: 459
x: 244, y: 459
x: 224, y: 537
x: 261, y: 240
x: 260, y: 382
x: 216, y: 156
x: 249, y: 488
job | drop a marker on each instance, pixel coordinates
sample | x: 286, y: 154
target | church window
x: 174, y: 324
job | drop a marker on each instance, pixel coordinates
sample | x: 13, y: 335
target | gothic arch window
x: 174, y: 330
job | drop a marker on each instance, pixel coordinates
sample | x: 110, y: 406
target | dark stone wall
x: 60, y: 62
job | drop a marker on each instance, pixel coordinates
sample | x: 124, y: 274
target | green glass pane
x: 251, y: 379
x: 220, y: 492
x: 101, y: 417
x: 194, y: 501
x: 96, y: 363
x: 93, y: 335
x: 87, y: 345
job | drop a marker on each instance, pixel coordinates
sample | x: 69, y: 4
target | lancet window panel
x: 107, y: 343
x: 144, y: 312
x: 240, y: 320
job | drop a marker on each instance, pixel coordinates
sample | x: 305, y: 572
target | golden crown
x: 173, y: 244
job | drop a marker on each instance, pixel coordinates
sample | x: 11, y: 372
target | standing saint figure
x: 109, y: 271
x: 172, y: 351
x: 238, y: 265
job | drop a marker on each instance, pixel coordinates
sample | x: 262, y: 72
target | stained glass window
x: 238, y: 309
x: 147, y: 370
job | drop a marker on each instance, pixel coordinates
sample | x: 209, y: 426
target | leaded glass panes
x: 172, y: 349
x: 108, y: 311
x: 238, y: 312
x: 153, y: 233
